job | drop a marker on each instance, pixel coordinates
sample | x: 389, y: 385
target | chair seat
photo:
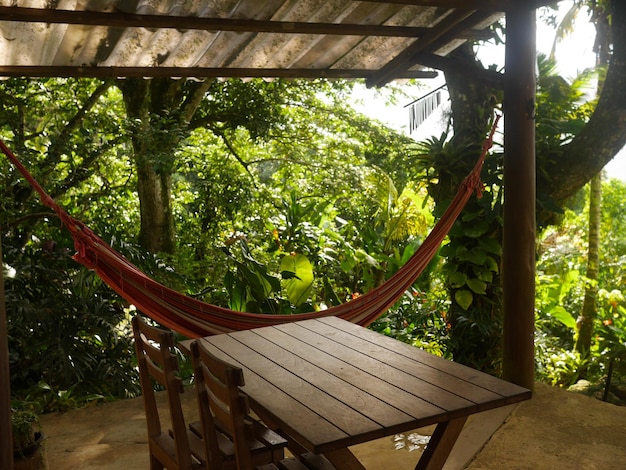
x: 264, y: 438
x: 308, y: 461
x: 165, y: 448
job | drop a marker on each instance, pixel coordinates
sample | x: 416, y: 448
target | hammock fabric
x: 194, y: 318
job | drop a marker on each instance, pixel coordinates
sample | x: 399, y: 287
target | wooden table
x: 329, y: 384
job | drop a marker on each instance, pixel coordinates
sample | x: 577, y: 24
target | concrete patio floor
x: 555, y: 429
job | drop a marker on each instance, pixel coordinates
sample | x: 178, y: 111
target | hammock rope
x: 194, y: 318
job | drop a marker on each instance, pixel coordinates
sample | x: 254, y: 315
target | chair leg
x: 155, y: 464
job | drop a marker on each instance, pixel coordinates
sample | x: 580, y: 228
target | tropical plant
x: 472, y: 252
x: 419, y: 319
x: 24, y: 425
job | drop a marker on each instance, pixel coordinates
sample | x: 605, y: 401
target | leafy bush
x: 69, y: 337
x: 420, y: 320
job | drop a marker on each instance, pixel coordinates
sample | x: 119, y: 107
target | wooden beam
x: 6, y: 446
x: 445, y: 31
x: 128, y: 20
x: 197, y: 72
x: 519, y: 227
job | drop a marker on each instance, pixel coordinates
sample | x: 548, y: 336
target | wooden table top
x: 331, y: 384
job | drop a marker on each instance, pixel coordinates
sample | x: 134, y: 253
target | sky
x: 574, y: 54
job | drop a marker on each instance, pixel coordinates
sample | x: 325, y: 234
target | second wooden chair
x: 232, y: 438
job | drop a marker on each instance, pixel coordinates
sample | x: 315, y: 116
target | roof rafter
x: 379, y: 40
x: 194, y: 72
x: 128, y: 20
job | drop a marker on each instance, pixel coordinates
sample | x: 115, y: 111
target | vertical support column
x: 6, y: 446
x: 518, y: 271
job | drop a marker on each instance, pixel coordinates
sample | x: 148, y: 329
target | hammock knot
x: 473, y: 183
x: 81, y: 256
x: 480, y: 187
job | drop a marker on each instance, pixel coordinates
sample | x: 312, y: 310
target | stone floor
x: 542, y: 433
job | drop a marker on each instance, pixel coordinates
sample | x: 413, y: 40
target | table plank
x: 509, y: 392
x: 292, y: 356
x: 385, y: 391
x: 425, y: 383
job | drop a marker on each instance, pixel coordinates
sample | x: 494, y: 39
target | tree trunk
x: 476, y: 330
x: 160, y: 110
x: 589, y: 311
x: 157, y: 233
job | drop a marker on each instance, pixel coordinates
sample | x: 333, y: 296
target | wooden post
x: 6, y: 447
x: 518, y: 271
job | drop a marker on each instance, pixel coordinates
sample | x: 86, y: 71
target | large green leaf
x: 475, y: 255
x: 297, y: 275
x: 476, y: 230
x: 562, y: 315
x: 477, y: 286
x: 464, y: 298
x: 457, y: 279
x: 490, y: 245
x: 236, y: 292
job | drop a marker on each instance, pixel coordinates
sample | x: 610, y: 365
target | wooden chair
x: 176, y: 448
x: 232, y: 438
x: 308, y: 461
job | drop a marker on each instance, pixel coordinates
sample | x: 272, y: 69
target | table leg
x: 343, y: 459
x: 441, y: 444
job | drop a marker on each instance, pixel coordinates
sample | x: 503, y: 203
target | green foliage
x: 24, y: 424
x: 251, y: 287
x: 311, y: 203
x: 611, y: 332
x: 560, y: 292
x: 562, y: 109
x: 473, y: 251
x: 419, y: 318
x: 277, y: 162
x: 560, y: 104
x: 65, y: 328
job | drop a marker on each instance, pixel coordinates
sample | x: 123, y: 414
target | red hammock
x: 194, y: 318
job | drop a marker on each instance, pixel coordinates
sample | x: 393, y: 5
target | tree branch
x: 56, y: 148
x: 232, y: 150
x: 605, y: 133
x: 193, y: 100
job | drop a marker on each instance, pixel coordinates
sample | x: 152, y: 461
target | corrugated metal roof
x: 377, y: 40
